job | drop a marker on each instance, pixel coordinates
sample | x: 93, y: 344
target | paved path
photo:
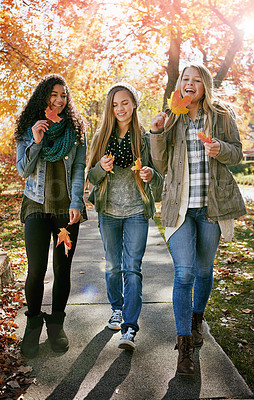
x: 95, y: 369
x: 247, y: 193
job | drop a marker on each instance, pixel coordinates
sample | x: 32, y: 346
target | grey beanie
x: 126, y: 85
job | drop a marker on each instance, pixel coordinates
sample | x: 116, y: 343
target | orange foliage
x: 204, y: 138
x: 63, y: 236
x: 178, y: 104
x: 52, y: 115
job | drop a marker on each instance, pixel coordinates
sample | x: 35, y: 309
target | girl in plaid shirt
x: 200, y: 198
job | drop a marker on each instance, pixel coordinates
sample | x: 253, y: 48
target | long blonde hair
x: 103, y: 134
x: 208, y: 102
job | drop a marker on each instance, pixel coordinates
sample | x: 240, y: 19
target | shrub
x: 8, y: 173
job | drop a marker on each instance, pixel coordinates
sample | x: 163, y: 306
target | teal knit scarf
x: 57, y: 141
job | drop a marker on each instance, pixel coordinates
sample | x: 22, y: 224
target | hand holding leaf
x: 178, y: 104
x: 112, y: 158
x: 63, y: 236
x: 137, y: 166
x: 204, y: 138
x: 52, y: 115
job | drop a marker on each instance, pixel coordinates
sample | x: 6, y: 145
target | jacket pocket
x: 228, y: 197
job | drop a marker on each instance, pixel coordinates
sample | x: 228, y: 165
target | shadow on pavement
x: 69, y: 386
x: 183, y: 387
x: 113, y: 377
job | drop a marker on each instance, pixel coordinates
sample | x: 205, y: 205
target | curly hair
x: 35, y: 108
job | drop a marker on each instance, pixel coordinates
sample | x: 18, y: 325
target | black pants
x: 38, y: 230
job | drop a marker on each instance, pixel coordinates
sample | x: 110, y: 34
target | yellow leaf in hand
x: 178, y: 104
x: 137, y: 166
x: 112, y: 158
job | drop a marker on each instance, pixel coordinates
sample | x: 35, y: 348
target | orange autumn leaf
x: 178, y: 104
x: 112, y: 158
x: 52, y: 115
x: 137, y: 166
x: 204, y: 138
x: 63, y: 236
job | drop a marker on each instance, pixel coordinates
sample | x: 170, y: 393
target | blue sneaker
x: 127, y: 340
x: 115, y: 320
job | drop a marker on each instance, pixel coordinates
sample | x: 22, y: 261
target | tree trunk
x: 173, y: 65
x: 229, y: 57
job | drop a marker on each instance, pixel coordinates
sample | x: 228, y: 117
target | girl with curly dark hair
x: 52, y: 156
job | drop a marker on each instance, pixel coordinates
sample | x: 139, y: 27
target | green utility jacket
x: 152, y: 189
x: 224, y: 198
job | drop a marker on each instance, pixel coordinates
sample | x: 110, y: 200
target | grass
x: 229, y: 312
x: 12, y: 232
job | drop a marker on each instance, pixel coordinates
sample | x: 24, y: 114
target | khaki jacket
x: 224, y: 198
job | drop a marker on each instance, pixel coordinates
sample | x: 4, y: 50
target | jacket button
x: 66, y: 157
x: 68, y: 171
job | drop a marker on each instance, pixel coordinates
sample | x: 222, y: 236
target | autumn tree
x: 37, y: 38
x: 168, y: 32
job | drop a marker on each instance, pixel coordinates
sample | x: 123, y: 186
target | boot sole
x: 57, y: 350
x: 198, y: 345
x: 29, y: 355
x: 114, y: 327
x: 126, y: 346
x: 185, y: 373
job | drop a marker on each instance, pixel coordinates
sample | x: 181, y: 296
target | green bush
x: 242, y: 179
x: 245, y: 168
x: 243, y: 173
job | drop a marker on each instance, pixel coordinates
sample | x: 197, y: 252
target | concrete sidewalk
x: 95, y: 369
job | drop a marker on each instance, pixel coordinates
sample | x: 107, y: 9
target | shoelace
x: 129, y: 335
x: 186, y: 351
x: 116, y: 317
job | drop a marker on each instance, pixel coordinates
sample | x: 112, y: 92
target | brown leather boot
x: 197, y: 329
x: 185, y: 364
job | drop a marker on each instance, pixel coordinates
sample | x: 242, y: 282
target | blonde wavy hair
x: 103, y: 134
x: 209, y: 103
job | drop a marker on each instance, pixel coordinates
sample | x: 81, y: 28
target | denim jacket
x: 152, y: 189
x: 31, y: 166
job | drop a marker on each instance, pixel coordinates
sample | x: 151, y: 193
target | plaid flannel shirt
x: 198, y: 164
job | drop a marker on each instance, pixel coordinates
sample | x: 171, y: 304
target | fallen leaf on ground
x: 24, y: 369
x: 246, y: 311
x: 52, y: 115
x: 64, y: 236
x: 178, y: 104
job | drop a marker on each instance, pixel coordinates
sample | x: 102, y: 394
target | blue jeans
x: 124, y: 241
x: 193, y: 248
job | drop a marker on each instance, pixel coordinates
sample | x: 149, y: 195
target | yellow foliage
x: 6, y: 141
